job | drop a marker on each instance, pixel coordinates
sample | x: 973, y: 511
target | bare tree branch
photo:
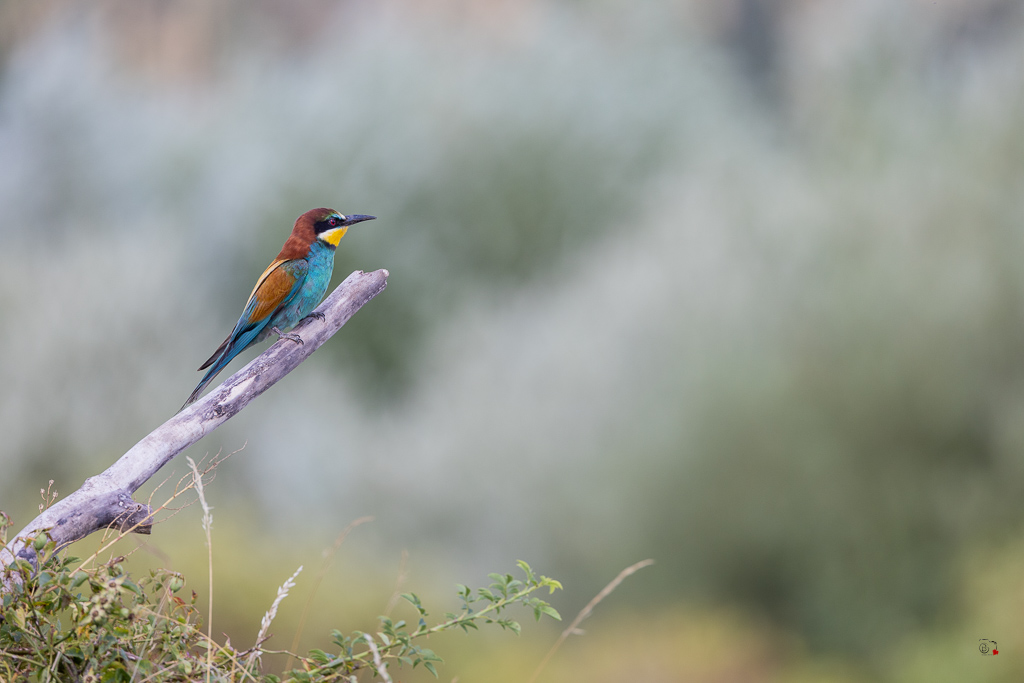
x: 105, y: 500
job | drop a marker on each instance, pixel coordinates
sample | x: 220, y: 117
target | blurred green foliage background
x: 732, y: 285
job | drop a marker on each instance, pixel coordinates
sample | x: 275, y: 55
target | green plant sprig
x: 396, y: 640
x: 68, y: 621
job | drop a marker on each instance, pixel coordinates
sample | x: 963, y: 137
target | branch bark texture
x: 105, y: 500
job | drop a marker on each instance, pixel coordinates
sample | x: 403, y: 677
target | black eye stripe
x: 328, y: 223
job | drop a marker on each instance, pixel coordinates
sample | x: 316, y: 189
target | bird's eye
x: 333, y: 221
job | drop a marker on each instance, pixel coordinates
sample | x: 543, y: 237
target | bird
x: 288, y: 290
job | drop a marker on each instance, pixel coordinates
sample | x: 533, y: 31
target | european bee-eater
x: 289, y: 288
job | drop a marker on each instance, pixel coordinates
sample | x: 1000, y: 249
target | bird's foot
x: 287, y: 335
x: 318, y: 315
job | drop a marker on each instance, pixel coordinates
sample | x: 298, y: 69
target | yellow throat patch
x: 333, y: 236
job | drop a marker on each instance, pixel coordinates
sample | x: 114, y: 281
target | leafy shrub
x: 95, y: 624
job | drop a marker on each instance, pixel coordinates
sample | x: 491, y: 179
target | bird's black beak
x: 357, y: 218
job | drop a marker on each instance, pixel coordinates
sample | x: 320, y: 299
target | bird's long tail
x: 224, y: 355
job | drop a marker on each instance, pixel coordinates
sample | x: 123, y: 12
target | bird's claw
x: 318, y: 315
x: 287, y: 335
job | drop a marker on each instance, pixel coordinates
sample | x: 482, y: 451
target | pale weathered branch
x: 104, y: 501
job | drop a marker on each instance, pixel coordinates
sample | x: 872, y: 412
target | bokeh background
x: 732, y: 285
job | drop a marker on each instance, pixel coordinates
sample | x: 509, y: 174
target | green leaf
x: 553, y: 584
x: 550, y: 611
x: 426, y: 655
x: 511, y: 625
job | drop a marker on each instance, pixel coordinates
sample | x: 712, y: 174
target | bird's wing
x: 275, y: 287
x: 279, y: 283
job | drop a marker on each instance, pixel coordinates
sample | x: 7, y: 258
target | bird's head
x: 330, y: 226
x: 326, y: 226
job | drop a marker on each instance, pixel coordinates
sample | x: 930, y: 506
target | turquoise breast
x: 321, y: 265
